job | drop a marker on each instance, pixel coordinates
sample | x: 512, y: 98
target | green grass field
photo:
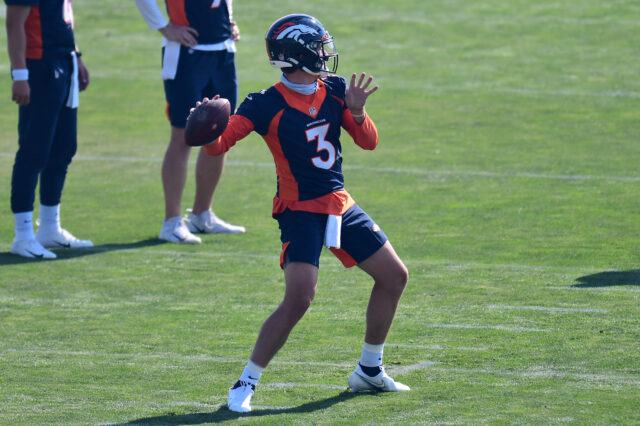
x: 506, y: 178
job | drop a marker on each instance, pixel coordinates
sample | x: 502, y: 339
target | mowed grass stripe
x: 532, y: 372
x: 399, y: 170
x: 328, y: 261
x: 605, y: 288
x: 548, y: 309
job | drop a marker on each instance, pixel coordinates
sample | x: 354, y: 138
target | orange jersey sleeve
x: 238, y: 128
x: 365, y: 135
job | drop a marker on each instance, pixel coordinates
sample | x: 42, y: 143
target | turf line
x: 409, y: 262
x: 547, y: 309
x: 515, y: 20
x: 410, y: 171
x: 194, y: 404
x: 605, y: 288
x: 486, y: 327
x: 544, y: 373
x: 436, y: 347
x: 301, y: 385
x: 536, y: 372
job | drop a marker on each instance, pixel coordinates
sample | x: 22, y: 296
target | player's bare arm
x: 179, y: 33
x: 357, y: 95
x: 17, y: 47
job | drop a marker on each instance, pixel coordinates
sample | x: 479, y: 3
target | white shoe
x: 208, y: 223
x: 360, y: 381
x: 60, y: 238
x: 31, y: 249
x: 240, y: 397
x: 175, y: 231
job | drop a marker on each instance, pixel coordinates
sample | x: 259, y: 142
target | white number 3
x: 215, y: 4
x: 320, y: 133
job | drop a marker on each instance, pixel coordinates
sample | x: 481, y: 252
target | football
x: 207, y: 122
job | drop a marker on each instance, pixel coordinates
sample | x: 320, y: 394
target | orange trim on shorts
x: 284, y: 249
x: 344, y: 257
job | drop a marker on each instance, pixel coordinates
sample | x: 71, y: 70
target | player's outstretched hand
x: 357, y: 94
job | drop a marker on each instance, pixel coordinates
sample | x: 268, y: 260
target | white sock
x: 371, y: 355
x: 172, y: 221
x: 251, y: 373
x: 24, y: 226
x: 50, y: 218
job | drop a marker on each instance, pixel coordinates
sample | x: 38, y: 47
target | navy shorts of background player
x: 46, y: 126
x: 201, y: 73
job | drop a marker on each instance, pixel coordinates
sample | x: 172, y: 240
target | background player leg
x: 202, y: 219
x: 301, y: 282
x: 52, y: 178
x: 174, y: 176
x: 390, y: 278
x: 208, y: 173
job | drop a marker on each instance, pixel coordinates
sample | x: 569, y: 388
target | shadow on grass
x: 223, y: 413
x: 8, y: 258
x: 609, y: 278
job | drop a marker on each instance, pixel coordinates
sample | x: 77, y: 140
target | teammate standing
x: 300, y: 119
x: 47, y: 74
x: 198, y: 61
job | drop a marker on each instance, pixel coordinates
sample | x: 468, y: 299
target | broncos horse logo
x: 292, y: 30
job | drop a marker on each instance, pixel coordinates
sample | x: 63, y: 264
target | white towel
x: 170, y: 59
x: 332, y: 231
x: 73, y: 100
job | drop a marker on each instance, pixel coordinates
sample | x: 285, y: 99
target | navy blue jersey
x: 303, y: 137
x: 211, y: 18
x: 49, y: 27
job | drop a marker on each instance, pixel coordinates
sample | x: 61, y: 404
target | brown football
x: 207, y: 122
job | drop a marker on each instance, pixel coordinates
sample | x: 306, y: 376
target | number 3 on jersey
x: 320, y: 133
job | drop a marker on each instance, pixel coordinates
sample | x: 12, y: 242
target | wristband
x: 20, y: 75
x: 358, y: 115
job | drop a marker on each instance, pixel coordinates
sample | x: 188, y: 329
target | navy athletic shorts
x: 200, y: 74
x: 302, y: 236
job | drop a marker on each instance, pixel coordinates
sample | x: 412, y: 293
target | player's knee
x: 31, y: 160
x: 296, y: 307
x: 399, y: 278
x: 403, y: 276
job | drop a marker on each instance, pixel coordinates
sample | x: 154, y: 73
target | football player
x: 47, y: 74
x: 198, y: 60
x: 300, y: 119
